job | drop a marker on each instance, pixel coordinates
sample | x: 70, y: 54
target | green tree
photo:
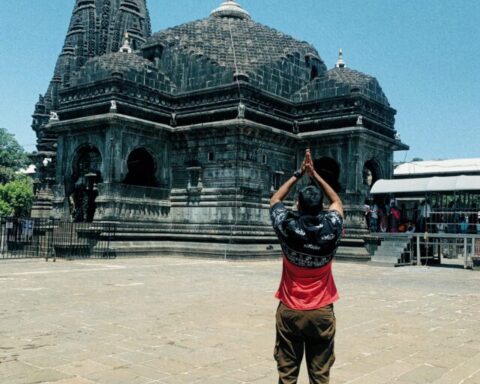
x: 5, y: 209
x: 12, y: 156
x: 16, y: 197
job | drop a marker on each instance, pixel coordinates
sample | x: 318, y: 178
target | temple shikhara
x: 181, y: 136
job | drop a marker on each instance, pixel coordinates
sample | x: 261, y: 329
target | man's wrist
x: 298, y: 174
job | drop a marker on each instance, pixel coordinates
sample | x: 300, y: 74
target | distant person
x: 374, y: 212
x: 451, y: 218
x: 441, y: 226
x: 478, y: 223
x: 441, y: 229
x: 394, y: 217
x: 366, y: 211
x: 425, y: 211
x: 382, y: 220
x: 305, y: 319
x: 464, y: 224
x: 403, y: 214
x: 458, y: 214
x: 472, y: 219
x: 415, y: 215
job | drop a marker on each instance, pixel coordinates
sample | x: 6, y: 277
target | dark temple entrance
x: 86, y: 175
x: 141, y: 169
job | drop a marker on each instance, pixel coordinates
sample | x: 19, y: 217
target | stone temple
x: 182, y: 136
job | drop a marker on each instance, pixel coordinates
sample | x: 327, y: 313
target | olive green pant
x: 312, y: 332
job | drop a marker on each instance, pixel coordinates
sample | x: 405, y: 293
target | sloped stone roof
x: 207, y: 53
x: 129, y: 65
x: 118, y: 61
x: 253, y: 44
x: 342, y: 82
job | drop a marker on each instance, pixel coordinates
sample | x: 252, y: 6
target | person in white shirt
x: 425, y: 212
x: 425, y: 209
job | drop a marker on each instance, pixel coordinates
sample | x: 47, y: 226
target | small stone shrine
x: 182, y: 136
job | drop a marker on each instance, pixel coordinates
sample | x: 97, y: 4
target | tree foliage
x: 5, y: 209
x: 12, y: 156
x: 16, y: 197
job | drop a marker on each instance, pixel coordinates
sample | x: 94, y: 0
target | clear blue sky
x: 425, y: 54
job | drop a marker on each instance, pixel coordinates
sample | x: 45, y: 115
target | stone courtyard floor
x: 173, y: 320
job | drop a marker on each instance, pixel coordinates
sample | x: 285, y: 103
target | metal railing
x: 427, y: 248
x: 22, y: 238
x: 443, y: 248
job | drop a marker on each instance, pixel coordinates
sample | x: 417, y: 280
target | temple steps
x: 392, y: 252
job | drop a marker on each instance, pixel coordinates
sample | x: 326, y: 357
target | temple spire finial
x: 230, y: 8
x: 340, y: 62
x: 126, y: 48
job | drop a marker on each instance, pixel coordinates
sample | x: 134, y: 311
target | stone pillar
x: 60, y: 207
x: 112, y: 155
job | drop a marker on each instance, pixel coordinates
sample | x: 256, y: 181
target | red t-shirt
x: 309, y: 244
x: 306, y: 289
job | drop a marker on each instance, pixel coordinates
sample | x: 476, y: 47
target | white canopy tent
x: 427, y: 184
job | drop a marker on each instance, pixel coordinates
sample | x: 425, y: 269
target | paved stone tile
x: 19, y: 373
x: 424, y: 373
x: 148, y: 372
x: 44, y: 361
x: 83, y: 367
x: 122, y: 375
x: 173, y: 320
x: 133, y: 356
x: 170, y: 366
x: 467, y: 371
x: 74, y: 380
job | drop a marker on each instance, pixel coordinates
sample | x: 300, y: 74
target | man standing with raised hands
x: 305, y: 320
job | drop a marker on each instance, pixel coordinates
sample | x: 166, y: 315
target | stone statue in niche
x: 173, y: 119
x: 241, y: 111
x: 54, y: 116
x: 367, y: 177
x: 296, y: 127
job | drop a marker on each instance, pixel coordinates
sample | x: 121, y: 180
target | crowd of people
x: 387, y: 216
x: 383, y: 217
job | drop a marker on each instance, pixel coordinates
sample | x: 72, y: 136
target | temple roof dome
x: 270, y: 59
x: 253, y: 44
x: 342, y: 81
x: 119, y: 61
x: 129, y: 66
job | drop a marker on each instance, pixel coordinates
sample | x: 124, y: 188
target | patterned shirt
x: 307, y: 241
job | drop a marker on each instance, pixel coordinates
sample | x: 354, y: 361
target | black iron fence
x: 22, y: 238
x: 441, y: 248
x: 427, y: 249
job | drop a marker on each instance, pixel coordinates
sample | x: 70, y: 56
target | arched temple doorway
x: 141, y: 169
x: 329, y: 169
x: 86, y: 174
